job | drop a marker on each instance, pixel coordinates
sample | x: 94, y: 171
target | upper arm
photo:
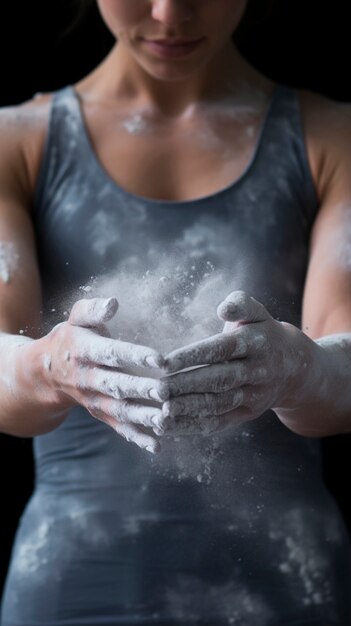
x: 20, y: 285
x: 327, y: 293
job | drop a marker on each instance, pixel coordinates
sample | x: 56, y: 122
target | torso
x: 171, y: 160
x: 176, y: 160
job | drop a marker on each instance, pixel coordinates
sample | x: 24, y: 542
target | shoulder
x: 327, y: 133
x: 23, y: 129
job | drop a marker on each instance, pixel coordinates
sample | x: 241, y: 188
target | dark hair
x: 83, y: 6
x: 80, y: 11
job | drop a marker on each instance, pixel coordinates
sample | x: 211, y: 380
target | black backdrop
x: 305, y: 44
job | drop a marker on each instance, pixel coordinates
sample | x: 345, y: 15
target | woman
x: 176, y: 181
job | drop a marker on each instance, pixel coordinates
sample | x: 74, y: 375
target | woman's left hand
x: 255, y: 364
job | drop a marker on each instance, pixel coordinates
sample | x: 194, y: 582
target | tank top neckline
x: 177, y: 203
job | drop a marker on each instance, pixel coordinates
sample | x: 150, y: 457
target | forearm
x: 27, y: 407
x: 321, y: 404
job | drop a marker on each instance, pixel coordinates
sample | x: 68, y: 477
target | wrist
x: 305, y: 378
x: 33, y: 371
x: 302, y: 409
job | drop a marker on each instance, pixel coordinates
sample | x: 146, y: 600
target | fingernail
x: 226, y: 309
x: 154, y: 361
x: 172, y: 365
x: 166, y: 409
x: 157, y: 420
x: 154, y: 449
x: 158, y: 431
x: 154, y: 395
x: 109, y: 305
x: 107, y: 302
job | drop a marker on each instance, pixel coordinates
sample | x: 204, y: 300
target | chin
x: 168, y: 73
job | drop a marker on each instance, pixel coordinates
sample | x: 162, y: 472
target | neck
x: 120, y: 77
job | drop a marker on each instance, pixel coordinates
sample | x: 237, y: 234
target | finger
x: 215, y: 349
x: 119, y: 385
x: 117, y: 353
x: 215, y: 378
x: 239, y: 307
x: 202, y: 404
x: 130, y: 432
x: 126, y: 411
x: 253, y: 403
x: 93, y: 312
x: 183, y: 425
x: 133, y: 434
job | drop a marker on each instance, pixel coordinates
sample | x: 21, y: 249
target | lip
x: 172, y: 49
x: 174, y: 42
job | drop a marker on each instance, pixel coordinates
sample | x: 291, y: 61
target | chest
x: 175, y: 161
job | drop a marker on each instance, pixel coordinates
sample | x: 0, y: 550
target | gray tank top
x: 232, y: 528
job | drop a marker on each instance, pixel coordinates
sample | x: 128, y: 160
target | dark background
x: 304, y: 44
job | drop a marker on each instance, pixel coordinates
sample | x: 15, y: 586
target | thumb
x: 93, y: 312
x: 241, y: 308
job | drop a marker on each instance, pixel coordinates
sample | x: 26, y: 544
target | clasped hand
x: 256, y: 363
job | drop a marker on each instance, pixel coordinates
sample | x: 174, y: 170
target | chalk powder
x: 9, y: 258
x: 165, y: 308
x: 165, y: 304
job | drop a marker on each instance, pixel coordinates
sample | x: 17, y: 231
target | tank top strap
x: 62, y: 146
x: 282, y: 154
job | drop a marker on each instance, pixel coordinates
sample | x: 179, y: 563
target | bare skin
x: 109, y: 99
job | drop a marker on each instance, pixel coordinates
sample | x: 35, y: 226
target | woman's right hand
x: 83, y: 365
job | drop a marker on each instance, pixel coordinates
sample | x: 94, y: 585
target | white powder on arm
x: 9, y: 258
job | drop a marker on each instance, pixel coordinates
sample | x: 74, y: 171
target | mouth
x: 174, y: 42
x: 173, y: 48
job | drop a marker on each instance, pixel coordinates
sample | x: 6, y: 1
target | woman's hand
x: 255, y: 364
x: 83, y: 365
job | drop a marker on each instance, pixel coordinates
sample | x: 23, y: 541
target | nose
x: 171, y: 12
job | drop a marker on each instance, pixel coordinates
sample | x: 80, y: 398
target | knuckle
x: 117, y: 392
x: 106, y: 385
x: 206, y: 400
x: 110, y: 386
x: 129, y: 380
x: 240, y: 346
x: 95, y: 409
x: 262, y: 374
x: 221, y: 351
x: 221, y: 383
x: 236, y: 398
x: 124, y: 408
x: 81, y: 354
x: 74, y: 357
x: 260, y: 339
x: 240, y: 375
x: 110, y: 354
x: 254, y: 397
x: 81, y: 383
